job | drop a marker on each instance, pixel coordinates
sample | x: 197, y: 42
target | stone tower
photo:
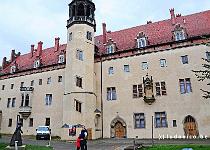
x: 80, y: 99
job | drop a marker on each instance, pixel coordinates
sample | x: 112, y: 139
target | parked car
x: 43, y: 133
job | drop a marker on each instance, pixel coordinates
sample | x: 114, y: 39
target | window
x: 49, y: 80
x: 139, y: 120
x: 163, y: 63
x: 184, y: 59
x: 79, y: 82
x: 145, y: 65
x: 31, y: 122
x: 27, y: 100
x: 12, y: 86
x: 13, y: 102
x: 79, y: 55
x: 22, y: 101
x: 111, y: 70
x: 137, y: 91
x: 78, y: 106
x: 126, y: 68
x: 60, y: 78
x: 70, y: 36
x: 179, y: 35
x: 208, y: 56
x: 10, y: 123
x: 47, y: 122
x: 174, y: 123
x: 160, y: 88
x: 36, y: 64
x: 160, y: 120
x: 3, y: 87
x: 61, y: 59
x: 111, y: 93
x: 8, y: 102
x: 185, y: 85
x: 21, y: 84
x: 89, y: 35
x: 48, y: 99
x: 13, y: 69
x: 110, y: 49
x: 40, y: 81
x: 141, y: 42
x: 32, y: 83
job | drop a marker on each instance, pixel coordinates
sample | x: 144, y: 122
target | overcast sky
x: 26, y: 22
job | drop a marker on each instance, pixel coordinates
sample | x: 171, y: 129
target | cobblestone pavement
x: 105, y: 144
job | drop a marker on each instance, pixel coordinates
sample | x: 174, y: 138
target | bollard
x: 16, y: 145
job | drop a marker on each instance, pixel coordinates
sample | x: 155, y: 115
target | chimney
x: 39, y: 49
x: 32, y: 50
x: 57, y: 44
x: 173, y: 18
x: 104, y: 32
x: 4, y: 62
x: 12, y: 58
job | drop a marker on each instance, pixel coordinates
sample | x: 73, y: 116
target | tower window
x: 13, y: 102
x: 32, y: 83
x: 60, y: 78
x: 40, y: 81
x: 79, y: 82
x: 81, y: 10
x: 12, y: 86
x: 49, y: 80
x: 78, y: 106
x: 10, y: 123
x: 70, y: 36
x: 3, y: 87
x: 79, y: 55
x: 89, y: 35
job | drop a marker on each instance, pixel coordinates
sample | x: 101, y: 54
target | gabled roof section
x: 158, y: 32
x: 25, y: 62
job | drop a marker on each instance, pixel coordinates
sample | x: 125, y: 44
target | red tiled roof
x: 158, y: 32
x: 25, y: 62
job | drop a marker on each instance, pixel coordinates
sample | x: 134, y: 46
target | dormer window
x: 110, y: 49
x: 13, y: 69
x: 61, y: 59
x: 141, y: 42
x: 37, y: 63
x: 179, y: 35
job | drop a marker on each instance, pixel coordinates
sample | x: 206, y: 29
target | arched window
x: 81, y: 10
x: 73, y: 10
x: 88, y: 11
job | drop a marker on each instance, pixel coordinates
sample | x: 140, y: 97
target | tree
x: 204, y: 75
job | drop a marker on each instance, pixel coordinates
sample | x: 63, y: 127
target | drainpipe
x: 102, y: 111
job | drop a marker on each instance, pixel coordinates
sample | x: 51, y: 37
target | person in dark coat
x: 84, y: 135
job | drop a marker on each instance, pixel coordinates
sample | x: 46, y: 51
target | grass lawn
x: 178, y: 147
x: 28, y: 147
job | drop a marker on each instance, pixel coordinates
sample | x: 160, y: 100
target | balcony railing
x: 81, y: 18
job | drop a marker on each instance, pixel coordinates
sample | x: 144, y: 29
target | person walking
x: 84, y: 135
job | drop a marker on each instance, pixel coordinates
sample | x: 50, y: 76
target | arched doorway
x: 190, y: 126
x: 118, y: 128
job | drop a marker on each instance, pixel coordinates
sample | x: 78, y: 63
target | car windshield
x: 43, y: 129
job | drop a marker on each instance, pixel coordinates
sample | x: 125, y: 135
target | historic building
x: 119, y: 84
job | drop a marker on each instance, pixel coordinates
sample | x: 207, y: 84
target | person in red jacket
x: 78, y: 142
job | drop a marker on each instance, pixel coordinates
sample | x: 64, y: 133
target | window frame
x: 10, y: 122
x: 80, y: 55
x: 141, y: 118
x: 137, y: 91
x: 141, y: 42
x: 185, y: 59
x: 185, y: 86
x: 111, y: 93
x: 111, y: 70
x: 163, y: 63
x: 48, y: 99
x: 161, y: 114
x: 31, y: 122
x: 145, y: 65
x: 126, y: 68
x: 78, y: 106
x: 79, y: 82
x: 61, y: 59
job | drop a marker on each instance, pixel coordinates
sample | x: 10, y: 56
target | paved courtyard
x: 105, y: 144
